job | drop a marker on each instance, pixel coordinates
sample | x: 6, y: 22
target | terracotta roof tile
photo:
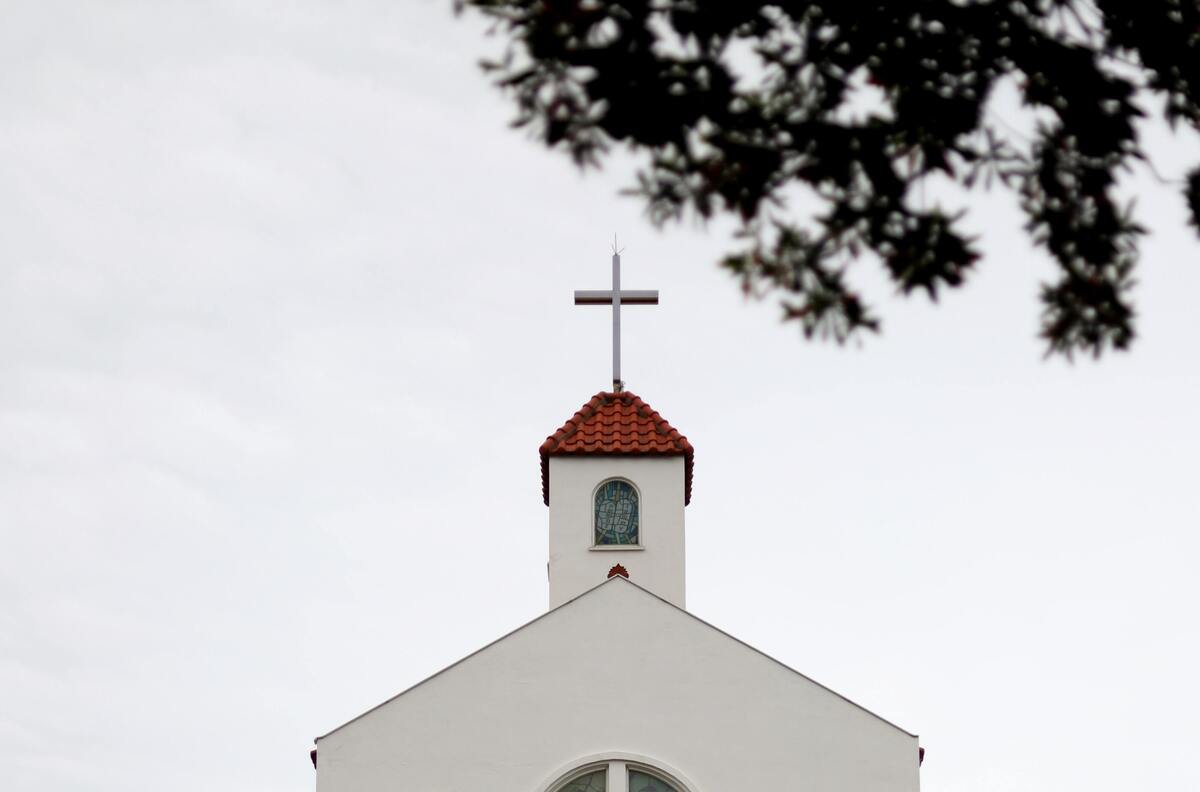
x: 617, y: 423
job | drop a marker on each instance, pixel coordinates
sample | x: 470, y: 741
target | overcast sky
x: 285, y: 312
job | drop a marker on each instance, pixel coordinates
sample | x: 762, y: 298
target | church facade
x: 617, y: 688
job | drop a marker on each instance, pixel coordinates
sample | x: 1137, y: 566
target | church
x: 617, y: 687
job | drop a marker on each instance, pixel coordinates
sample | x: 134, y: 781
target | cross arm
x: 632, y: 297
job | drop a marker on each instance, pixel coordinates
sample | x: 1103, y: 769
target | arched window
x: 640, y: 781
x: 601, y: 778
x: 590, y: 781
x: 616, y: 516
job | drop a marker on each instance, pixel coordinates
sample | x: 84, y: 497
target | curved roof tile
x: 617, y: 423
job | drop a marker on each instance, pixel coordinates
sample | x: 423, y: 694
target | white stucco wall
x: 617, y: 672
x: 658, y: 565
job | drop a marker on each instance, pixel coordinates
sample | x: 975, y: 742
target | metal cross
x: 616, y: 298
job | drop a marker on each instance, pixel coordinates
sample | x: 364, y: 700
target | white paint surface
x: 617, y: 673
x: 657, y: 564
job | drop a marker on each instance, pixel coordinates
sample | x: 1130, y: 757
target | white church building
x: 617, y: 688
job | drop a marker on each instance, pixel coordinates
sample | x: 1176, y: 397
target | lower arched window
x: 590, y: 781
x: 640, y: 781
x: 616, y: 776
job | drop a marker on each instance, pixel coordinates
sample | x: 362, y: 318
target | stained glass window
x: 616, y: 515
x: 596, y: 780
x: 591, y: 782
x: 642, y: 782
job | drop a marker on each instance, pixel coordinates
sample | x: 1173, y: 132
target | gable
x: 619, y: 670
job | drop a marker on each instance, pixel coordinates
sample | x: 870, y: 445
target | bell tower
x: 616, y: 477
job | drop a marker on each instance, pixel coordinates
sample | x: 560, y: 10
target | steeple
x: 616, y: 477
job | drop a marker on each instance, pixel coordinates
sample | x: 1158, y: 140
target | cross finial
x: 616, y: 298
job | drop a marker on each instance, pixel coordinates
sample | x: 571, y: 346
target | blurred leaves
x: 859, y: 104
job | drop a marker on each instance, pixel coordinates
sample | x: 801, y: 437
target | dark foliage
x: 737, y: 102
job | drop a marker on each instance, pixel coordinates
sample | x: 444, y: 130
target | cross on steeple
x: 616, y: 298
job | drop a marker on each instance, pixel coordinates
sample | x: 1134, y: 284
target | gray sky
x: 285, y: 312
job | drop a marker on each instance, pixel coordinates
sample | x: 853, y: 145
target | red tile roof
x: 617, y: 423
